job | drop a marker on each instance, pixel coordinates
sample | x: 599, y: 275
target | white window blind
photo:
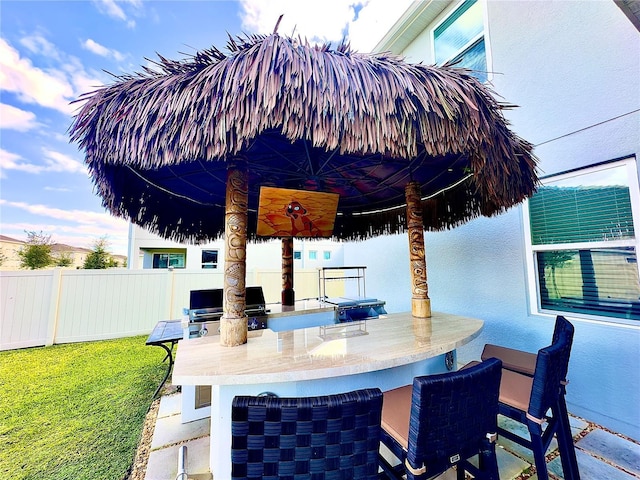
x: 583, y: 242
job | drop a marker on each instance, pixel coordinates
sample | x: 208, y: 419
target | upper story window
x: 460, y: 38
x: 166, y: 260
x: 313, y: 254
x: 582, y: 243
x: 297, y: 255
x: 209, y: 259
x: 326, y: 255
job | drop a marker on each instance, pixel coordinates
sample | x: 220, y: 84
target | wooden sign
x: 296, y: 213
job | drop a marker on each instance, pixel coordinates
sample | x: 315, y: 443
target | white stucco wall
x: 573, y: 69
x: 262, y: 256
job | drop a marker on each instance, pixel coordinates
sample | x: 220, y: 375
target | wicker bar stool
x: 332, y: 437
x: 441, y: 421
x: 528, y: 396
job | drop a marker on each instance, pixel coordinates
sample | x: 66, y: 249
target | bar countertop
x: 312, y: 353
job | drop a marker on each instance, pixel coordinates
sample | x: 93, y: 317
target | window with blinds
x: 583, y: 242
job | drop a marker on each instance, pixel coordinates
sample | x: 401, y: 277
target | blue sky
x: 51, y: 52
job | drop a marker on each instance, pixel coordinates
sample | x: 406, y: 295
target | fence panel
x: 184, y: 281
x: 25, y: 302
x: 97, y: 305
x: 62, y: 306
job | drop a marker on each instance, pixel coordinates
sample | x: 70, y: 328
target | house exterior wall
x: 264, y: 255
x: 573, y: 69
x: 9, y: 248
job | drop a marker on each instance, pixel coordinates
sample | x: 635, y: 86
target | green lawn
x: 75, y: 411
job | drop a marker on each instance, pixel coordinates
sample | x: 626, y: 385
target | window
x: 297, y: 255
x: 209, y: 259
x: 166, y: 260
x: 313, y: 255
x: 583, y: 245
x: 460, y: 39
x: 326, y: 255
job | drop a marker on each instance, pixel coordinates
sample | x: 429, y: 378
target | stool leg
x: 565, y: 442
x: 487, y: 461
x: 538, y: 449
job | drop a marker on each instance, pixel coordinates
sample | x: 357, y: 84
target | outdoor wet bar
x: 311, y: 361
x: 280, y: 139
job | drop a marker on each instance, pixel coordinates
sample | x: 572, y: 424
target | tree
x: 36, y: 252
x: 99, y: 257
x: 64, y: 259
x: 3, y: 258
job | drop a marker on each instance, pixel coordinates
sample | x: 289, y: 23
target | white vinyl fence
x: 44, y: 307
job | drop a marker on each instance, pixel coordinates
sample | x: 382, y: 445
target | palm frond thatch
x: 304, y: 116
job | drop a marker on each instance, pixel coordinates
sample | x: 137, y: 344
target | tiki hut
x: 183, y: 149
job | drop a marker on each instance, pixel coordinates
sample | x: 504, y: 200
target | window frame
x: 204, y: 265
x: 533, y: 290
x: 169, y: 254
x: 484, y: 35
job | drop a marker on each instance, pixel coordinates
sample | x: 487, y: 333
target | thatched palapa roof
x: 312, y: 117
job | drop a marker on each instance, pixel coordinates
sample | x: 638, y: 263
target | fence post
x: 170, y: 289
x: 54, y: 304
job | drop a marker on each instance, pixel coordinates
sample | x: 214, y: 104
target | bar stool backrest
x: 563, y: 325
x: 552, y: 366
x: 451, y: 415
x: 323, y: 438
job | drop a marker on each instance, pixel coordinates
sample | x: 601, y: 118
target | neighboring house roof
x: 4, y: 238
x: 61, y: 247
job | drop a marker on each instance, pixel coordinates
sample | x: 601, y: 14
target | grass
x: 75, y: 411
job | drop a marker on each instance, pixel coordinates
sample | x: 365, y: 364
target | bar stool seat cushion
x: 515, y: 389
x: 516, y: 360
x: 396, y: 413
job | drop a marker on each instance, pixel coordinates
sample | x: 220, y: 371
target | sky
x: 51, y: 52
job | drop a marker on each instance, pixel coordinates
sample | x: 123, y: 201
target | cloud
x: 112, y: 9
x: 54, y: 162
x: 59, y: 162
x: 363, y: 23
x: 95, y: 47
x: 76, y: 216
x: 82, y: 229
x: 52, y: 88
x: 374, y: 20
x: 12, y: 118
x: 31, y: 84
x: 41, y: 46
x: 12, y: 161
x: 320, y: 22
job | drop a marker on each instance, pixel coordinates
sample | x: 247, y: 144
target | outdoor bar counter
x: 392, y: 350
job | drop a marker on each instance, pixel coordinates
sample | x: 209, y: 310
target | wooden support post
x: 420, y: 302
x: 288, y: 294
x: 233, y: 324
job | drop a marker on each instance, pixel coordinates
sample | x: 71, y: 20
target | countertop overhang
x: 302, y: 354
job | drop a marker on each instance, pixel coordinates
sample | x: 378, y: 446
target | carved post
x: 420, y: 302
x: 288, y: 295
x: 233, y: 324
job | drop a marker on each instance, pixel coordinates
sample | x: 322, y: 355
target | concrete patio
x: 601, y: 454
